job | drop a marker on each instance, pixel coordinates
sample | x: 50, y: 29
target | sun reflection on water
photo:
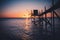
x: 27, y: 28
x: 27, y: 25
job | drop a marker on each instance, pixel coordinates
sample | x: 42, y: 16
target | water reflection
x: 27, y: 28
x: 27, y: 25
x: 19, y: 28
x: 24, y: 29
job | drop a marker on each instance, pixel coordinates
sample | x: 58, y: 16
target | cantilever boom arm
x: 56, y: 6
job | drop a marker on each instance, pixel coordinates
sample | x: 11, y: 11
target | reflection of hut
x: 34, y: 14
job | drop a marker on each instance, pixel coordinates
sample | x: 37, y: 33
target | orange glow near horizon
x: 19, y: 14
x: 22, y: 9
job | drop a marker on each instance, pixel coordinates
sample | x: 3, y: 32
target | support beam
x: 56, y: 6
x: 56, y: 14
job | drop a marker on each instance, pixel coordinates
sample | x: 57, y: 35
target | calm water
x: 25, y: 29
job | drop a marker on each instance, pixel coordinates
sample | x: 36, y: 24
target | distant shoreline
x: 24, y: 18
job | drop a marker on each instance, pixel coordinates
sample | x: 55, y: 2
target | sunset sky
x: 22, y: 8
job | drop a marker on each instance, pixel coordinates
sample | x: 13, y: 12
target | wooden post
x: 53, y: 27
x: 46, y: 24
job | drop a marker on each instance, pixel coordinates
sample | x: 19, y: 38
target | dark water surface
x: 25, y: 29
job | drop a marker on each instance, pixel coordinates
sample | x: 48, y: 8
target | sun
x: 26, y: 16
